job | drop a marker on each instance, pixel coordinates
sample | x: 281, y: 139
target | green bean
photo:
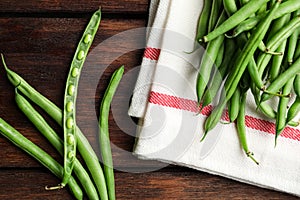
x: 275, y: 41
x: 278, y: 24
x: 41, y: 124
x: 214, y: 73
x: 230, y: 6
x: 203, y: 19
x: 292, y: 42
x: 84, y: 147
x: 243, y: 2
x: 297, y: 51
x: 241, y: 128
x: 262, y: 9
x: 246, y: 25
x: 69, y: 111
x: 239, y: 67
x: 282, y: 108
x: 253, y: 72
x: 297, y: 85
x: 212, y: 120
x: 287, y: 7
x: 220, y: 56
x: 264, y: 49
x: 37, y: 153
x: 207, y: 62
x: 215, y: 10
x: 265, y: 108
x: 104, y: 132
x: 219, y: 75
x: 234, y: 102
x: 277, y: 62
x: 293, y: 110
x: 280, y: 81
x: 272, y: 2
x: 242, y: 14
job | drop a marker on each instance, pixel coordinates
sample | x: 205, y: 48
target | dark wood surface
x: 38, y: 39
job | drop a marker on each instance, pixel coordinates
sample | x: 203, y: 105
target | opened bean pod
x: 69, y: 111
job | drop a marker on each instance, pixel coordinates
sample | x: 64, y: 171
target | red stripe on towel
x: 192, y: 106
x: 151, y: 53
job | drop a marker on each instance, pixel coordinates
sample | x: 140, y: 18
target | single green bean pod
x: 104, y: 132
x: 241, y: 128
x: 69, y: 111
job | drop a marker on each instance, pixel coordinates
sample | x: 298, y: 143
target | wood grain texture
x: 175, y: 183
x: 43, y: 6
x: 40, y: 48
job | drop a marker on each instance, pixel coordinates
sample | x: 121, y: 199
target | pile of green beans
x: 261, y: 38
x: 101, y: 184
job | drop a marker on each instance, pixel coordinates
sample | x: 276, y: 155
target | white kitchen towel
x: 171, y: 129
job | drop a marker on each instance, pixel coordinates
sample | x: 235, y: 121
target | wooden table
x: 38, y: 39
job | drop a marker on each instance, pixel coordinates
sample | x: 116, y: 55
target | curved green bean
x: 69, y: 111
x: 36, y: 152
x: 104, y: 132
x: 41, y: 124
x: 241, y: 128
x: 84, y: 147
x: 242, y: 14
